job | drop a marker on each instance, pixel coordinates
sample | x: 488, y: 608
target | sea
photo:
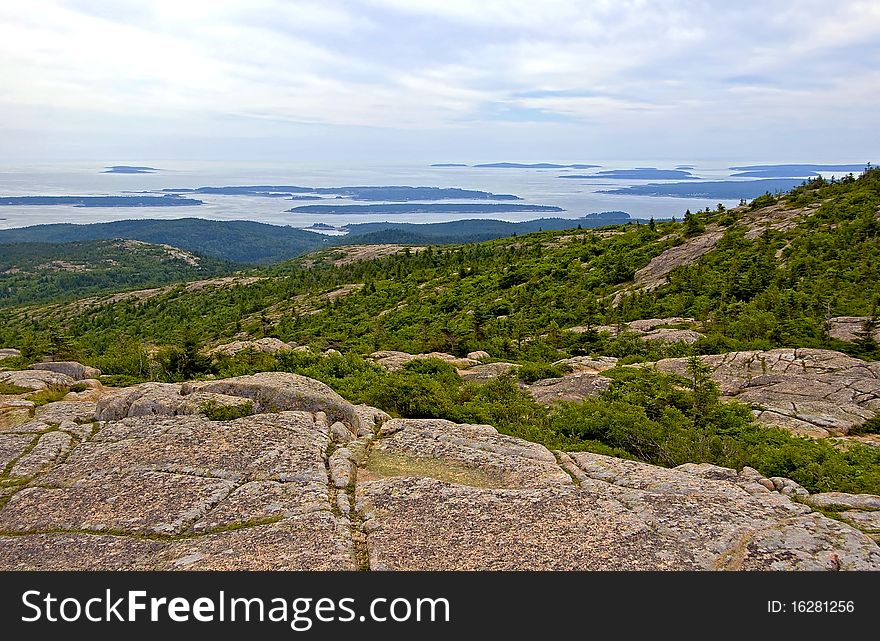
x: 535, y: 186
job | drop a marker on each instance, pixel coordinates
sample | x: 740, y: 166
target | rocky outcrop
x: 9, y: 352
x: 161, y: 399
x: 437, y: 496
x: 849, y: 328
x: 76, y: 371
x: 587, y: 364
x: 266, y: 345
x: 812, y: 392
x: 572, y: 387
x: 651, y: 329
x: 312, y: 482
x: 654, y: 274
x: 394, y: 361
x: 478, y: 355
x: 36, y: 379
x: 487, y: 371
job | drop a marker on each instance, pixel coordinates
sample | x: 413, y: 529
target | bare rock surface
x: 160, y: 399
x: 266, y: 345
x: 651, y: 329
x: 9, y: 352
x: 571, y: 387
x: 36, y: 379
x: 588, y: 364
x: 654, y: 274
x: 76, y: 371
x: 312, y: 482
x: 812, y: 392
x: 849, y: 328
x: 606, y: 514
x: 394, y: 361
x: 486, y: 371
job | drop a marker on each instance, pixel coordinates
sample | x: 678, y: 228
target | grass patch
x: 9, y: 388
x: 48, y: 395
x: 213, y: 411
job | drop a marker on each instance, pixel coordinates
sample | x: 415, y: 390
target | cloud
x: 608, y: 72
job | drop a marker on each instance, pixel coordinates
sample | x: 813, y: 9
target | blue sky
x: 439, y: 80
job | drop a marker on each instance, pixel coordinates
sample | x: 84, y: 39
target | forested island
x: 167, y: 200
x: 722, y: 189
x: 639, y: 173
x: 129, y: 169
x: 422, y: 208
x: 400, y: 193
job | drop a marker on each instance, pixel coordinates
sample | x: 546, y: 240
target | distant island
x: 323, y: 227
x: 538, y: 165
x: 792, y: 171
x: 685, y: 167
x: 396, y: 193
x: 449, y: 164
x: 129, y: 169
x: 302, y: 197
x: 103, y: 201
x: 722, y: 189
x: 640, y: 173
x: 421, y: 208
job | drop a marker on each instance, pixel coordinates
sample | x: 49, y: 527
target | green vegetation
x: 9, y: 388
x: 216, y: 412
x: 51, y: 394
x: 42, y: 272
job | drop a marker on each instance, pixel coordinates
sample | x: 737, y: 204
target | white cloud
x: 609, y: 68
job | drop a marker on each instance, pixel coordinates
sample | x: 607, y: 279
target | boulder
x: 478, y: 355
x: 9, y: 352
x: 76, y: 371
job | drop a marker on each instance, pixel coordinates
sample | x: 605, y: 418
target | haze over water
x: 535, y: 186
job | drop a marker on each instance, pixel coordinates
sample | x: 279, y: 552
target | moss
x: 387, y: 464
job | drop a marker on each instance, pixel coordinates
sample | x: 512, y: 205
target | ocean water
x: 534, y: 186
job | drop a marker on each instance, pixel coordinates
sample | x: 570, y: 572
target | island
x: 722, y: 189
x: 422, y: 208
x: 537, y: 165
x: 302, y: 197
x: 397, y: 193
x: 323, y: 227
x: 685, y: 167
x: 449, y: 164
x: 639, y: 173
x: 792, y: 171
x: 102, y: 201
x: 129, y: 169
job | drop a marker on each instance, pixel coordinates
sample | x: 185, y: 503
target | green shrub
x: 216, y: 412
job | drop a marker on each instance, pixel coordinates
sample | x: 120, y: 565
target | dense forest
x: 815, y: 257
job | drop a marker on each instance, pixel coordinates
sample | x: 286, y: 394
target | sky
x: 439, y: 80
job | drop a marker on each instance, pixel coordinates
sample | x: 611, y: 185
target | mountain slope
x: 38, y: 272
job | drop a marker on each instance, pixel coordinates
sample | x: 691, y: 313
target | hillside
x: 759, y: 317
x: 236, y: 241
x: 38, y: 272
